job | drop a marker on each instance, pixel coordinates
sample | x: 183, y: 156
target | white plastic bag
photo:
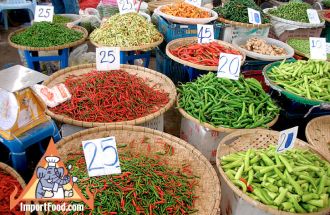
x: 80, y: 56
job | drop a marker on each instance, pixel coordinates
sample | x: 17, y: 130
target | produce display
x: 185, y: 10
x: 327, y: 15
x: 295, y: 181
x: 237, y: 10
x: 61, y: 19
x: 7, y: 187
x: 260, y: 46
x: 206, y: 54
x: 301, y: 45
x: 126, y: 30
x: 227, y: 103
x: 309, y: 79
x: 110, y: 97
x: 294, y: 11
x: 147, y: 184
x: 46, y: 34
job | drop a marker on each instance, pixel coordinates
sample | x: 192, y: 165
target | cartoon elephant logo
x: 52, y: 181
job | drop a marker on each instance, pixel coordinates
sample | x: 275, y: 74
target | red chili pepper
x: 249, y: 187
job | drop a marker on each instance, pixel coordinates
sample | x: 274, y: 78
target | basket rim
x: 219, y: 128
x: 51, y: 48
x: 241, y: 24
x: 11, y: 171
x: 288, y: 94
x: 198, y: 66
x: 240, y: 193
x: 67, y: 71
x: 172, y: 139
x: 133, y: 48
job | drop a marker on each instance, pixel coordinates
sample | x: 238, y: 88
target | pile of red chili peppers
x: 206, y: 54
x: 147, y: 185
x: 327, y: 15
x: 110, y: 97
x: 7, y: 186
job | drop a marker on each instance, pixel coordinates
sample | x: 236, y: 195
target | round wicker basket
x: 189, y: 40
x: 318, y: 134
x: 208, y: 189
x: 213, y: 128
x: 14, y: 174
x: 68, y: 45
x: 162, y: 82
x: 243, y: 25
x: 256, y: 138
x: 133, y: 48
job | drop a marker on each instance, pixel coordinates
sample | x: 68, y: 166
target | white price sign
x: 205, y: 33
x: 318, y: 48
x: 44, y: 13
x: 107, y: 58
x: 101, y: 156
x: 313, y: 16
x: 229, y: 66
x: 126, y: 6
x: 254, y: 16
x: 286, y: 139
x: 197, y: 3
x: 328, y: 48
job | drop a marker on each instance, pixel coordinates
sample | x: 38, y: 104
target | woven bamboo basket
x: 133, y: 48
x: 243, y: 25
x: 68, y: 45
x: 162, y: 82
x: 14, y: 174
x: 154, y: 4
x: 256, y: 138
x: 208, y: 189
x: 213, y: 128
x: 189, y: 40
x: 318, y: 134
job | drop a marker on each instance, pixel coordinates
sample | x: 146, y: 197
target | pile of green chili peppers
x: 296, y: 181
x: 294, y: 11
x: 147, y: 185
x: 237, y: 10
x: 46, y: 34
x: 301, y: 45
x: 126, y: 30
x: 227, y: 103
x: 61, y: 19
x: 309, y: 79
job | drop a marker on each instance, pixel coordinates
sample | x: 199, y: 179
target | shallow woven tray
x: 213, y: 128
x: 299, y: 52
x: 68, y: 45
x: 133, y: 48
x: 288, y: 94
x: 243, y: 25
x: 162, y: 81
x: 188, y: 40
x: 318, y: 134
x: 13, y: 173
x: 255, y: 138
x: 238, y: 41
x: 208, y: 189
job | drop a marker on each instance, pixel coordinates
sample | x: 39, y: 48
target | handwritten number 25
x: 105, y: 57
x: 42, y: 14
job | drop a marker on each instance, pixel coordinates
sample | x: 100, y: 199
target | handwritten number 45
x: 107, y: 57
x: 207, y: 34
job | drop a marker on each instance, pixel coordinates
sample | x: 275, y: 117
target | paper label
x: 107, y: 58
x: 126, y: 6
x: 313, y: 16
x: 328, y: 47
x: 287, y: 139
x: 229, y: 66
x: 52, y: 96
x: 254, y: 16
x: 318, y: 48
x: 205, y: 33
x: 101, y: 156
x: 44, y: 13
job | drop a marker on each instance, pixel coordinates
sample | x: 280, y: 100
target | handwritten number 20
x: 233, y: 63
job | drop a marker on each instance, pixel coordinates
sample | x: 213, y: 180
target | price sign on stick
x: 318, y: 48
x: 107, y: 58
x: 286, y: 139
x: 101, y: 156
x: 229, y: 66
x: 313, y: 16
x: 205, y: 33
x: 197, y: 3
x: 44, y: 13
x: 126, y: 6
x: 254, y: 16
